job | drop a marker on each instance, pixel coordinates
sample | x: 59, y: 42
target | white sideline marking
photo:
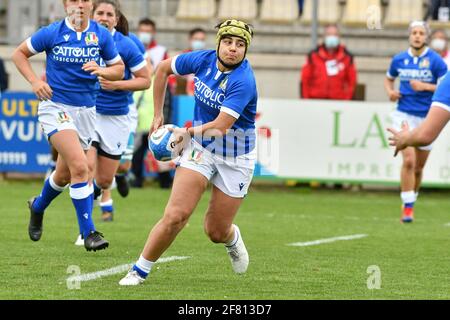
x: 320, y: 241
x: 116, y: 270
x: 447, y: 225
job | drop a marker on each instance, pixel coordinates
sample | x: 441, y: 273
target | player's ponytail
x: 122, y: 24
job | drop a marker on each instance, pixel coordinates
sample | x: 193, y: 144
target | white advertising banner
x: 337, y: 141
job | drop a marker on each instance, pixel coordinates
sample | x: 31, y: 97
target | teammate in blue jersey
x: 225, y: 110
x: 113, y: 123
x: 419, y: 70
x: 74, y: 47
x: 121, y: 177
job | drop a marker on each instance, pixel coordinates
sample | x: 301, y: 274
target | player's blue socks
x: 81, y: 194
x: 49, y: 192
x: 143, y: 267
x: 107, y: 206
x: 408, y: 205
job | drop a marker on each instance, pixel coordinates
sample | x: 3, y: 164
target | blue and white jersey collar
x: 410, y: 53
x: 218, y: 72
x: 69, y: 25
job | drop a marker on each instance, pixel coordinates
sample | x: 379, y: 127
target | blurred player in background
x: 225, y: 98
x: 74, y: 47
x: 113, y: 122
x: 419, y: 69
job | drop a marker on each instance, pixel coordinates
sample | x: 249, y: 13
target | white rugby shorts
x: 55, y: 117
x: 231, y: 175
x: 111, y: 134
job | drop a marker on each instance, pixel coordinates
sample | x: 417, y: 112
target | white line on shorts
x: 328, y: 240
x: 116, y: 270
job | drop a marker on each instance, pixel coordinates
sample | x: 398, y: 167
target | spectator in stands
x: 197, y: 40
x: 185, y: 84
x: 3, y: 76
x: 329, y: 71
x: 438, y: 10
x: 147, y: 34
x: 439, y: 43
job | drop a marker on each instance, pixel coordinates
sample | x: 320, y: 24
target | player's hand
x: 182, y: 138
x: 42, y: 90
x: 417, y: 85
x: 157, y: 122
x: 93, y: 68
x: 394, y: 95
x: 107, y: 84
x: 399, y: 138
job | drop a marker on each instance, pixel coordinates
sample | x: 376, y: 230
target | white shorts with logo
x: 413, y: 122
x: 55, y: 117
x: 112, y: 133
x: 231, y: 175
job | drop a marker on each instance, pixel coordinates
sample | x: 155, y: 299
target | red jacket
x: 328, y: 75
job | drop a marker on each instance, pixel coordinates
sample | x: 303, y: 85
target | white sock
x: 237, y: 234
x: 408, y: 196
x: 144, y: 264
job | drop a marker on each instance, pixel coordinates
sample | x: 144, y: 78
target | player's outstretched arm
x: 163, y: 71
x: 20, y: 58
x: 424, y: 134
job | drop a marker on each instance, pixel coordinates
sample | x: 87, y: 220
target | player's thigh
x: 187, y: 189
x: 67, y: 143
x: 221, y: 211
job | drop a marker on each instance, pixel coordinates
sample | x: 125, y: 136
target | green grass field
x: 413, y: 259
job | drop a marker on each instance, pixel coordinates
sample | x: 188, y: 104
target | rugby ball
x: 162, y: 143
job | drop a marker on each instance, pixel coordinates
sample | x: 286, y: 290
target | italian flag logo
x: 91, y: 39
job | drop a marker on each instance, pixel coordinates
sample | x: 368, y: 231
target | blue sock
x: 49, y: 192
x: 107, y: 206
x: 142, y: 273
x: 81, y: 194
x: 409, y: 205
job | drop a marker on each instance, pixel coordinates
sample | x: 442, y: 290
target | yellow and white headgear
x: 234, y: 28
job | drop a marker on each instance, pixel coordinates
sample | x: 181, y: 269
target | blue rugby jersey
x: 429, y: 67
x: 67, y: 51
x: 142, y: 50
x: 233, y: 92
x: 441, y: 97
x: 116, y: 102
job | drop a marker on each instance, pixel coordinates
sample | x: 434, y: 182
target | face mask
x: 197, y: 44
x: 438, y: 44
x: 331, y: 42
x: 145, y: 37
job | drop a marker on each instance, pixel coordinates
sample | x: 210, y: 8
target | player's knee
x: 409, y: 163
x: 103, y: 182
x: 176, y: 217
x: 79, y: 170
x: 215, y: 234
